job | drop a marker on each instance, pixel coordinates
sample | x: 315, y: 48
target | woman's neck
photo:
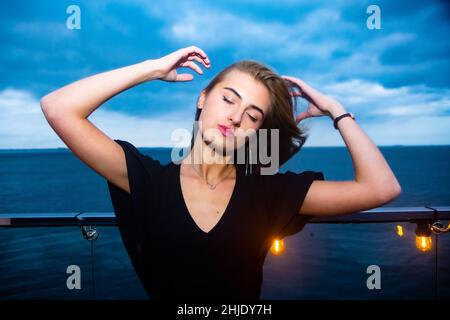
x: 211, y: 165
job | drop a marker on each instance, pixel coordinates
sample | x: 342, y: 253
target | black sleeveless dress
x: 177, y: 260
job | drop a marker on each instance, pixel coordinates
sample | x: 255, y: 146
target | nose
x: 236, y: 117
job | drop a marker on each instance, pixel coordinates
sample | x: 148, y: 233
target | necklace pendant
x: 212, y: 187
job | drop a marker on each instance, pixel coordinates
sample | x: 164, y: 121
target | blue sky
x: 395, y: 79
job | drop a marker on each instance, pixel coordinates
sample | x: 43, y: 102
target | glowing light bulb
x: 399, y: 230
x: 423, y: 236
x: 277, y: 247
x: 424, y: 243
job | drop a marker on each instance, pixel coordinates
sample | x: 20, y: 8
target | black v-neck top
x: 174, y: 258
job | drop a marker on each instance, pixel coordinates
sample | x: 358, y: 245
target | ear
x: 201, y: 100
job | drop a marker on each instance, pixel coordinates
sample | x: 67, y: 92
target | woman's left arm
x: 375, y: 184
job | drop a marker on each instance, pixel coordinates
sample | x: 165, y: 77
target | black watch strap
x: 348, y: 114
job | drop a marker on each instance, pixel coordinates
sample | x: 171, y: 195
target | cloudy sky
x: 394, y: 79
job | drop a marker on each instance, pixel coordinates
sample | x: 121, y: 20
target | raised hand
x: 319, y: 104
x: 167, y: 65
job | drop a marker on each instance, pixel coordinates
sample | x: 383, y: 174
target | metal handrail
x: 377, y: 215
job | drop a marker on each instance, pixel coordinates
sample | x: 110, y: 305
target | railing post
x: 91, y: 234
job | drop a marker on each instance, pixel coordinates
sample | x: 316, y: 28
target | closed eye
x: 226, y: 100
x: 229, y: 102
x: 253, y: 119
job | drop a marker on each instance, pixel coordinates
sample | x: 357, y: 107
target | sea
x: 323, y: 261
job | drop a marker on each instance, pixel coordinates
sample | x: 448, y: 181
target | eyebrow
x: 252, y: 105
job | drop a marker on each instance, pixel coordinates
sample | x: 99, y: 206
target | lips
x: 225, y: 131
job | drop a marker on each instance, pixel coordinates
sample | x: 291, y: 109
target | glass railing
x: 383, y: 253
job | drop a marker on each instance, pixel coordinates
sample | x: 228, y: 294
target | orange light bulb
x: 277, y: 247
x: 424, y: 243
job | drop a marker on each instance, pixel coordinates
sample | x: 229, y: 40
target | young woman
x: 202, y: 229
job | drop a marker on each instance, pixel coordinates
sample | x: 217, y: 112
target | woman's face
x: 240, y: 103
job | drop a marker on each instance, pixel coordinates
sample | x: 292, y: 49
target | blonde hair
x: 281, y: 113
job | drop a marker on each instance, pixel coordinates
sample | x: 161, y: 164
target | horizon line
x: 170, y: 147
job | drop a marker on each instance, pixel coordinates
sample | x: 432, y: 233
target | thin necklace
x: 212, y: 186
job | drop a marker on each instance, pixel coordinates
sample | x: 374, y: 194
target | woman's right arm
x: 67, y: 109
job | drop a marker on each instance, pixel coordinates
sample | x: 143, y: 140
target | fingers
x: 301, y: 116
x: 193, y: 66
x: 296, y: 84
x: 196, y: 58
x: 306, y: 88
x: 317, y: 100
x: 296, y: 93
x: 308, y: 92
x: 184, y: 77
x: 191, y: 54
x: 200, y: 53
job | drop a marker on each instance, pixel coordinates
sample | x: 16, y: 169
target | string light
x: 399, y: 230
x: 423, y: 236
x: 277, y: 246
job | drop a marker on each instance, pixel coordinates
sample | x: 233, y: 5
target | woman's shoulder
x: 282, y: 180
x: 138, y: 160
x: 278, y: 174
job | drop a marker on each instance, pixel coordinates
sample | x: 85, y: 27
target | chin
x: 220, y: 143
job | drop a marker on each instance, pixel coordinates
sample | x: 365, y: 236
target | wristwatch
x: 348, y: 114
